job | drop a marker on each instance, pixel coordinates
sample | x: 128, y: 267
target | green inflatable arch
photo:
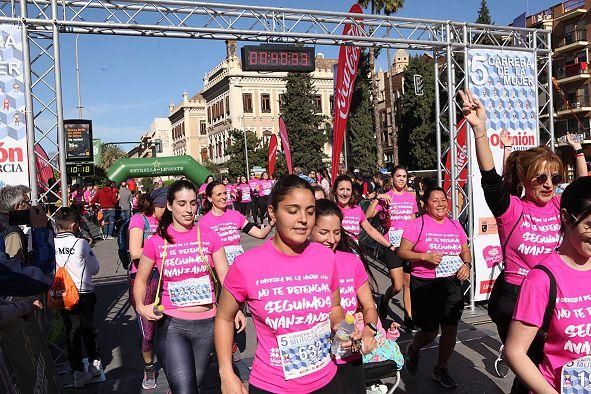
x: 158, y: 166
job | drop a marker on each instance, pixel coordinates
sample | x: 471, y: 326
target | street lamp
x: 78, y: 77
x: 245, y: 149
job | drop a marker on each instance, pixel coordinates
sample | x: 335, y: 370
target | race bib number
x: 233, y: 251
x: 576, y: 376
x: 449, y: 266
x: 305, y: 352
x: 395, y: 237
x: 191, y: 292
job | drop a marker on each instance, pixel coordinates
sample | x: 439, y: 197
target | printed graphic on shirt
x: 540, y: 236
x: 348, y: 294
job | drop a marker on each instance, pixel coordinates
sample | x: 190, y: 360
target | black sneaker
x: 441, y: 375
x: 411, y: 361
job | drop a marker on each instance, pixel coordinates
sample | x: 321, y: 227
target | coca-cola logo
x: 345, y: 88
x: 493, y: 255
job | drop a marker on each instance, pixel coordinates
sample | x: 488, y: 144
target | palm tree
x: 377, y: 7
x: 110, y: 154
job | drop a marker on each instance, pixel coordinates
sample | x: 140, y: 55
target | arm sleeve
x: 533, y: 298
x: 136, y: 221
x: 362, y: 217
x: 149, y: 249
x: 92, y: 263
x: 361, y: 275
x: 411, y: 231
x: 10, y: 311
x: 235, y: 283
x: 496, y: 195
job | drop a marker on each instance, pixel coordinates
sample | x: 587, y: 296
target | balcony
x: 573, y: 72
x: 570, y: 9
x: 577, y: 104
x: 576, y: 39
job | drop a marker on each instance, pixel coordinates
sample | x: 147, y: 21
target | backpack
x: 63, y: 293
x: 123, y: 241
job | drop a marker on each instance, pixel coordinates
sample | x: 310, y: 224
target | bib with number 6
x: 191, y: 292
x: 233, y: 251
x: 448, y: 266
x: 575, y: 376
x: 305, y: 352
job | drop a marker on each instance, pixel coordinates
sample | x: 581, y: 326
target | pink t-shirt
x: 427, y: 236
x: 266, y: 186
x: 352, y: 276
x: 290, y: 301
x: 186, y: 280
x: 245, y: 189
x: 226, y: 226
x: 137, y: 221
x: 229, y: 191
x: 255, y: 186
x: 352, y: 219
x: 569, y: 334
x: 202, y: 188
x: 402, y: 209
x: 536, y: 235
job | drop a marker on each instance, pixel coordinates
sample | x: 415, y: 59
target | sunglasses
x: 542, y: 178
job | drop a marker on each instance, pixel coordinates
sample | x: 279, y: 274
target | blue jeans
x: 108, y: 221
x: 125, y: 215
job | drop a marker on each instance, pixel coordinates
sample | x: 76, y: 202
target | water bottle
x: 158, y: 310
x: 343, y: 334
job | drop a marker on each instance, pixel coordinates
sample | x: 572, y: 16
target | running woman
x: 265, y: 184
x: 255, y: 189
x: 230, y: 192
x: 353, y: 217
x: 201, y: 193
x: 245, y: 204
x: 528, y: 226
x: 354, y: 274
x: 141, y: 226
x: 185, y: 255
x: 402, y: 207
x: 437, y: 248
x: 291, y: 287
x: 567, y: 336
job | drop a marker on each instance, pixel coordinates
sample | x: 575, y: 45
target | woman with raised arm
x: 291, y: 286
x: 554, y: 299
x: 186, y: 256
x: 527, y: 211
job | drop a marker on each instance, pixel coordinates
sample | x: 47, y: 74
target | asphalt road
x: 472, y: 364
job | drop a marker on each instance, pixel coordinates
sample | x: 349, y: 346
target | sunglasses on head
x: 542, y: 178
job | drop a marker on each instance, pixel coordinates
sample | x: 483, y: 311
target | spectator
x: 106, y: 198
x: 125, y: 196
x: 299, y: 172
x: 20, y: 281
x: 10, y: 311
x: 14, y: 198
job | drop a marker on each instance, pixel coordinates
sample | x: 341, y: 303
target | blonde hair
x: 522, y: 166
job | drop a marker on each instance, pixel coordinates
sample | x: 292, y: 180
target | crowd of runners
x: 309, y: 286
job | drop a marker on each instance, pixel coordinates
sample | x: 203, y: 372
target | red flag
x: 44, y: 170
x: 285, y: 144
x: 272, y: 154
x: 461, y: 132
x: 346, y: 72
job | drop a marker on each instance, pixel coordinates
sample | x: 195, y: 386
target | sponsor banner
x: 272, y: 156
x: 285, y: 144
x: 345, y: 81
x: 506, y: 84
x: 14, y: 165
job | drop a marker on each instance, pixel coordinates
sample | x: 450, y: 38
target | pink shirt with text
x: 285, y: 294
x: 352, y: 276
x: 137, y: 221
x: 266, y: 186
x: 186, y: 280
x: 227, y: 226
x: 229, y: 190
x: 402, y: 209
x: 427, y: 236
x: 352, y: 219
x: 569, y: 334
x: 535, y: 236
x: 245, y: 190
x: 255, y: 186
x: 202, y: 188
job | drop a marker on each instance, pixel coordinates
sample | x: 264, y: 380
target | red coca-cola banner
x: 272, y: 157
x: 461, y: 132
x: 285, y: 144
x: 346, y: 73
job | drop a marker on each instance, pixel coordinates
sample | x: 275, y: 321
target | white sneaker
x: 81, y: 378
x: 95, y: 368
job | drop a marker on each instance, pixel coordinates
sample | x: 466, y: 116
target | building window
x: 222, y: 108
x: 318, y: 103
x: 265, y: 102
x: 202, y: 127
x: 331, y: 104
x: 227, y: 105
x: 210, y: 151
x: 219, y: 149
x: 247, y: 102
x: 281, y: 102
x: 203, y: 155
x: 209, y: 114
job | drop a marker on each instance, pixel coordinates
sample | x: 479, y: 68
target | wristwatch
x: 373, y: 328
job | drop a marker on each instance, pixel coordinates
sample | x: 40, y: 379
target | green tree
x: 304, y: 125
x: 360, y: 127
x: 237, y: 163
x: 387, y: 7
x: 484, y: 14
x: 417, y: 136
x: 110, y: 154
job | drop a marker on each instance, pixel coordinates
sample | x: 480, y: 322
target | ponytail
x: 511, y: 174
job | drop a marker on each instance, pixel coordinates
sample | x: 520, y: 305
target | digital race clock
x: 284, y: 58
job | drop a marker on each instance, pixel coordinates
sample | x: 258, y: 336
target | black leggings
x: 333, y: 387
x: 245, y: 208
x: 352, y: 377
x: 262, y: 204
x: 184, y: 347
